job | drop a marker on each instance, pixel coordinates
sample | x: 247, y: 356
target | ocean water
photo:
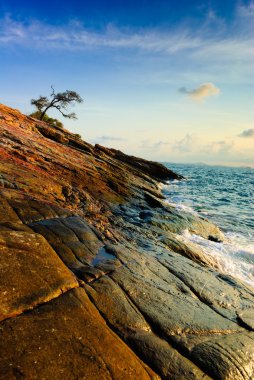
x: 223, y: 195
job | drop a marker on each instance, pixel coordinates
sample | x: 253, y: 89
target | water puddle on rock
x: 101, y: 257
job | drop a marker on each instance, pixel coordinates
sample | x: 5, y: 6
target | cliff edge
x: 96, y: 281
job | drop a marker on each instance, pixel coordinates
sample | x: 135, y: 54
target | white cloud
x: 186, y: 144
x: 249, y: 133
x: 74, y: 36
x: 217, y: 50
x: 151, y: 146
x: 208, y: 44
x: 202, y: 92
x: 218, y: 148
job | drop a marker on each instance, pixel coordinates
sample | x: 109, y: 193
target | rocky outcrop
x: 153, y: 169
x: 96, y: 280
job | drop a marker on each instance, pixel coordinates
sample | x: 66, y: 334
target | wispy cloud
x: 109, y: 138
x: 219, y: 148
x: 248, y: 133
x: 74, y: 36
x: 186, y: 144
x: 193, y: 148
x: 246, y: 10
x: 202, y: 92
x: 192, y: 144
x: 152, y: 146
x: 211, y: 42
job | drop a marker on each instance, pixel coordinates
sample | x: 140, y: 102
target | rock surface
x: 96, y: 280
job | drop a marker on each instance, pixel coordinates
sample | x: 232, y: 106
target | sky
x: 170, y: 81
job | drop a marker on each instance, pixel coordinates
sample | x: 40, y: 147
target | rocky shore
x: 95, y: 279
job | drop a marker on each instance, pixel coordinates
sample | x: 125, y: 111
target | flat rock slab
x: 166, y: 306
x: 228, y: 357
x: 214, y: 289
x: 66, y: 339
x: 31, y: 273
x: 129, y: 323
x: 71, y: 238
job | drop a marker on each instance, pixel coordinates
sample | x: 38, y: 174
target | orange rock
x: 31, y: 273
x: 66, y: 339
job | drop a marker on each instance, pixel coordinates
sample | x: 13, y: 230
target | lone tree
x: 60, y: 101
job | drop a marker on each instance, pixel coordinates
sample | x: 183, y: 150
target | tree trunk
x: 44, y: 112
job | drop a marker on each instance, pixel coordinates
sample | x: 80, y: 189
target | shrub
x: 50, y: 120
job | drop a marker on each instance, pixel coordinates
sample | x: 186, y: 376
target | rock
x: 71, y: 237
x: 246, y: 316
x: 227, y: 357
x: 7, y: 184
x: 176, y: 222
x: 67, y: 191
x: 214, y: 238
x: 78, y: 220
x: 66, y: 339
x: 150, y: 168
x: 31, y: 273
x: 169, y: 309
x: 112, y: 302
x: 166, y: 360
x: 194, y: 252
x: 81, y: 145
x: 52, y: 133
x: 209, y: 287
x: 7, y: 214
x: 153, y: 201
x: 129, y: 323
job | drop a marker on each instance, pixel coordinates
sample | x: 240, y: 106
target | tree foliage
x: 59, y: 101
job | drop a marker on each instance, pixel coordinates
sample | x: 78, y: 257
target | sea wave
x: 218, y: 194
x: 176, y: 201
x: 234, y: 256
x: 181, y: 207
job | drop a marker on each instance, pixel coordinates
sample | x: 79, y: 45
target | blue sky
x: 166, y: 80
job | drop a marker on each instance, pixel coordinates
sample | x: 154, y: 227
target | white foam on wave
x: 164, y: 186
x: 167, y: 185
x: 175, y: 201
x: 181, y: 207
x: 235, y: 256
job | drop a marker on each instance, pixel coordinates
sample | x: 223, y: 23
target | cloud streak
x: 153, y: 146
x: 74, y: 36
x: 202, y: 92
x: 110, y: 138
x: 207, y: 44
x: 248, y: 133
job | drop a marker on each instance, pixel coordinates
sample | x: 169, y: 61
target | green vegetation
x: 51, y: 121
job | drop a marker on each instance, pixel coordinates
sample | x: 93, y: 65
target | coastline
x: 224, y: 196
x: 89, y: 228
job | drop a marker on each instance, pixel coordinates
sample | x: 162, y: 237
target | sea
x: 223, y: 195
